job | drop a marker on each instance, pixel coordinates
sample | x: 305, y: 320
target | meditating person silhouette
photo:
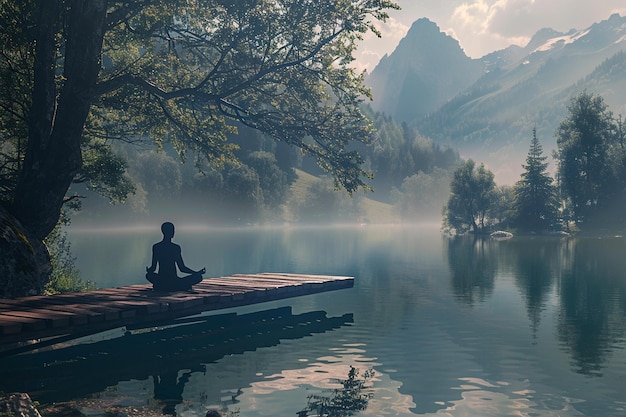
x: 167, y: 255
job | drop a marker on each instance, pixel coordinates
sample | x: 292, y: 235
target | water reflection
x: 168, y: 389
x: 535, y: 263
x: 170, y: 356
x: 452, y: 327
x: 473, y: 264
x: 592, y: 301
x: 585, y: 275
x: 353, y: 396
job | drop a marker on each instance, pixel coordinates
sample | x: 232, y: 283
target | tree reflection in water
x: 585, y: 275
x: 535, y: 263
x: 352, y: 397
x: 473, y: 265
x: 593, y: 301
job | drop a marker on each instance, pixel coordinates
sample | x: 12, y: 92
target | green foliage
x: 245, y: 197
x: 472, y: 195
x: 273, y: 181
x: 352, y: 397
x: 536, y: 205
x: 65, y: 275
x: 322, y: 203
x: 102, y: 171
x: 105, y: 172
x: 399, y: 151
x: 158, y: 173
x: 416, y: 171
x: 277, y: 66
x: 590, y: 159
x: 15, y: 87
x: 502, y: 210
x: 421, y: 196
x: 185, y: 73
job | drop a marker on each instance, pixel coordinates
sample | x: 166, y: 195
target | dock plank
x: 39, y: 317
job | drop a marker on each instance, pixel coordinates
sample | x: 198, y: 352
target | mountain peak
x: 426, y: 34
x: 541, y: 37
x: 598, y: 35
x: 427, y: 63
x: 424, y: 24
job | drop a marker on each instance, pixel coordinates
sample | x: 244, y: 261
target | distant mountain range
x: 486, y: 108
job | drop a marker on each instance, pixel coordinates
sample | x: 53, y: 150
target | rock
x: 25, y: 266
x: 18, y: 404
x: 92, y: 412
x: 501, y: 235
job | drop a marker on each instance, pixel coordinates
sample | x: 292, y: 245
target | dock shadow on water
x: 170, y: 355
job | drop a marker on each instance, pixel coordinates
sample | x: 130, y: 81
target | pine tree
x: 535, y: 195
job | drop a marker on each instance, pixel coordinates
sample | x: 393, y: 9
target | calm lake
x: 450, y: 327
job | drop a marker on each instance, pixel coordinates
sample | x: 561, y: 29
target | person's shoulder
x: 164, y: 245
x: 170, y: 246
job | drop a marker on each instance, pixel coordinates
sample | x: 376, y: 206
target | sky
x: 484, y: 26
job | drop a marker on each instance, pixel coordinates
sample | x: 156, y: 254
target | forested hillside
x: 410, y: 177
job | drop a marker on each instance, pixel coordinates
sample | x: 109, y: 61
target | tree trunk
x: 24, y: 261
x: 53, y: 155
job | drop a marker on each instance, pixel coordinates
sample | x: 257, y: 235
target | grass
x: 374, y: 211
x: 378, y: 212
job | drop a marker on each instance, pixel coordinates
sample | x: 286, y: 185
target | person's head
x: 213, y: 413
x: 168, y: 230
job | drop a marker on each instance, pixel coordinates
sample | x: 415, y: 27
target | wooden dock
x: 73, y: 315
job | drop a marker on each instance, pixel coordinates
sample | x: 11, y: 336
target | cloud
x: 472, y: 23
x: 485, y: 25
x: 450, y: 32
x: 497, y: 18
x: 473, y: 16
x: 392, y: 30
x: 510, y: 18
x: 366, y: 60
x: 373, y: 48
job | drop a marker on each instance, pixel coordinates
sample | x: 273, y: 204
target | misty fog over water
x: 451, y: 327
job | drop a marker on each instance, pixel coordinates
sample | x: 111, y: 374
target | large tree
x: 584, y: 139
x: 535, y: 195
x: 77, y: 73
x: 472, y: 194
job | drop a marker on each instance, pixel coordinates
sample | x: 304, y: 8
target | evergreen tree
x: 535, y: 194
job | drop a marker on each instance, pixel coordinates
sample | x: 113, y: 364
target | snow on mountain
x: 561, y: 41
